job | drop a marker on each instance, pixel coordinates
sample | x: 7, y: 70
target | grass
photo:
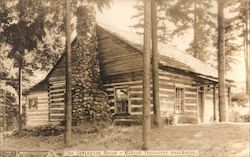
x: 211, y: 140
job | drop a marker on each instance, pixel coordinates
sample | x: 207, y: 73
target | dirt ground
x: 210, y: 140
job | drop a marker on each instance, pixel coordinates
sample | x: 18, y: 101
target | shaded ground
x: 211, y: 140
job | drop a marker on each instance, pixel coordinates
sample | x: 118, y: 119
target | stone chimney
x: 90, y: 103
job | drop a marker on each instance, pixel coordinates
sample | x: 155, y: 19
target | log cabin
x: 188, y: 86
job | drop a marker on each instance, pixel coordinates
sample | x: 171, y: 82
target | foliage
x: 179, y: 17
x: 235, y: 28
x: 169, y: 120
x: 182, y: 17
x: 163, y: 30
x: 89, y: 127
x: 44, y: 130
x: 198, y: 16
x: 32, y: 35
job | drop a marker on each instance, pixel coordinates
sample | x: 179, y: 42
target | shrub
x: 45, y: 130
x: 169, y: 120
x: 88, y: 127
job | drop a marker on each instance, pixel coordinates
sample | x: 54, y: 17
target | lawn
x: 210, y: 140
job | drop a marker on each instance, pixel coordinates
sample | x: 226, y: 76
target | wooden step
x: 126, y: 122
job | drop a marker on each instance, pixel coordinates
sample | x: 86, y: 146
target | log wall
x: 117, y: 57
x: 57, y: 92
x: 168, y: 81
x: 39, y: 116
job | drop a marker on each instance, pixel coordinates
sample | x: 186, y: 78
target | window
x: 33, y: 103
x: 179, y: 99
x: 121, y: 100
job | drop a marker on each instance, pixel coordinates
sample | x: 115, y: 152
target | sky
x: 119, y: 16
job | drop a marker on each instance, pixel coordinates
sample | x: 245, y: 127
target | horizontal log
x: 57, y: 100
x: 43, y: 103
x: 38, y: 118
x: 40, y: 94
x: 37, y: 121
x: 56, y: 91
x: 187, y: 107
x: 51, y: 88
x: 41, y: 115
x: 139, y: 113
x: 56, y: 115
x: 52, y: 112
x: 190, y: 100
x: 109, y: 71
x: 57, y: 108
x: 57, y: 78
x: 122, y: 83
x: 190, y: 104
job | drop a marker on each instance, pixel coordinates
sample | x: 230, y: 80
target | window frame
x: 179, y: 86
x: 115, y: 99
x: 33, y: 99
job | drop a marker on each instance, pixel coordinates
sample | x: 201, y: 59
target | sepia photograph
x: 124, y: 78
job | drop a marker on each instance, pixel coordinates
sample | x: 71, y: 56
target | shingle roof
x: 166, y: 52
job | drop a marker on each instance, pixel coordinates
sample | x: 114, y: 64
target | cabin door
x: 201, y: 105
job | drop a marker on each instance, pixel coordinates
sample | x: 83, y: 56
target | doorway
x: 201, y: 103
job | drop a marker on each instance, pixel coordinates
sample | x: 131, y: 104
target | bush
x: 45, y: 130
x: 88, y: 127
x: 245, y: 118
x: 169, y: 120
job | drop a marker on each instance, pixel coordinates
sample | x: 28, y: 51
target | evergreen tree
x: 239, y: 28
x: 162, y: 28
x: 221, y: 62
x: 198, y: 16
x: 21, y: 29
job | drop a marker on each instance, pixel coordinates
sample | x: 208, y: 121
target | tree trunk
x: 146, y: 76
x: 68, y: 108
x: 155, y: 72
x: 246, y: 44
x: 214, y: 103
x: 221, y: 62
x: 248, y: 32
x: 20, y: 98
x: 195, y: 44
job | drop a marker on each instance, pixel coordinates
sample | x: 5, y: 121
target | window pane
x: 33, y: 103
x: 122, y: 100
x: 179, y: 99
x: 122, y: 94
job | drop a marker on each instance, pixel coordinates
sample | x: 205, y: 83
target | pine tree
x: 146, y: 76
x: 162, y: 30
x: 21, y: 29
x: 198, y: 16
x: 221, y: 62
x: 68, y: 104
x: 238, y: 27
x: 155, y: 65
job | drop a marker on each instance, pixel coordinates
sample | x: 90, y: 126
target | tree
x: 221, y: 62
x: 198, y: 16
x: 146, y: 75
x: 240, y: 19
x: 155, y: 64
x: 162, y: 29
x: 33, y: 29
x: 68, y: 112
x: 21, y: 30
